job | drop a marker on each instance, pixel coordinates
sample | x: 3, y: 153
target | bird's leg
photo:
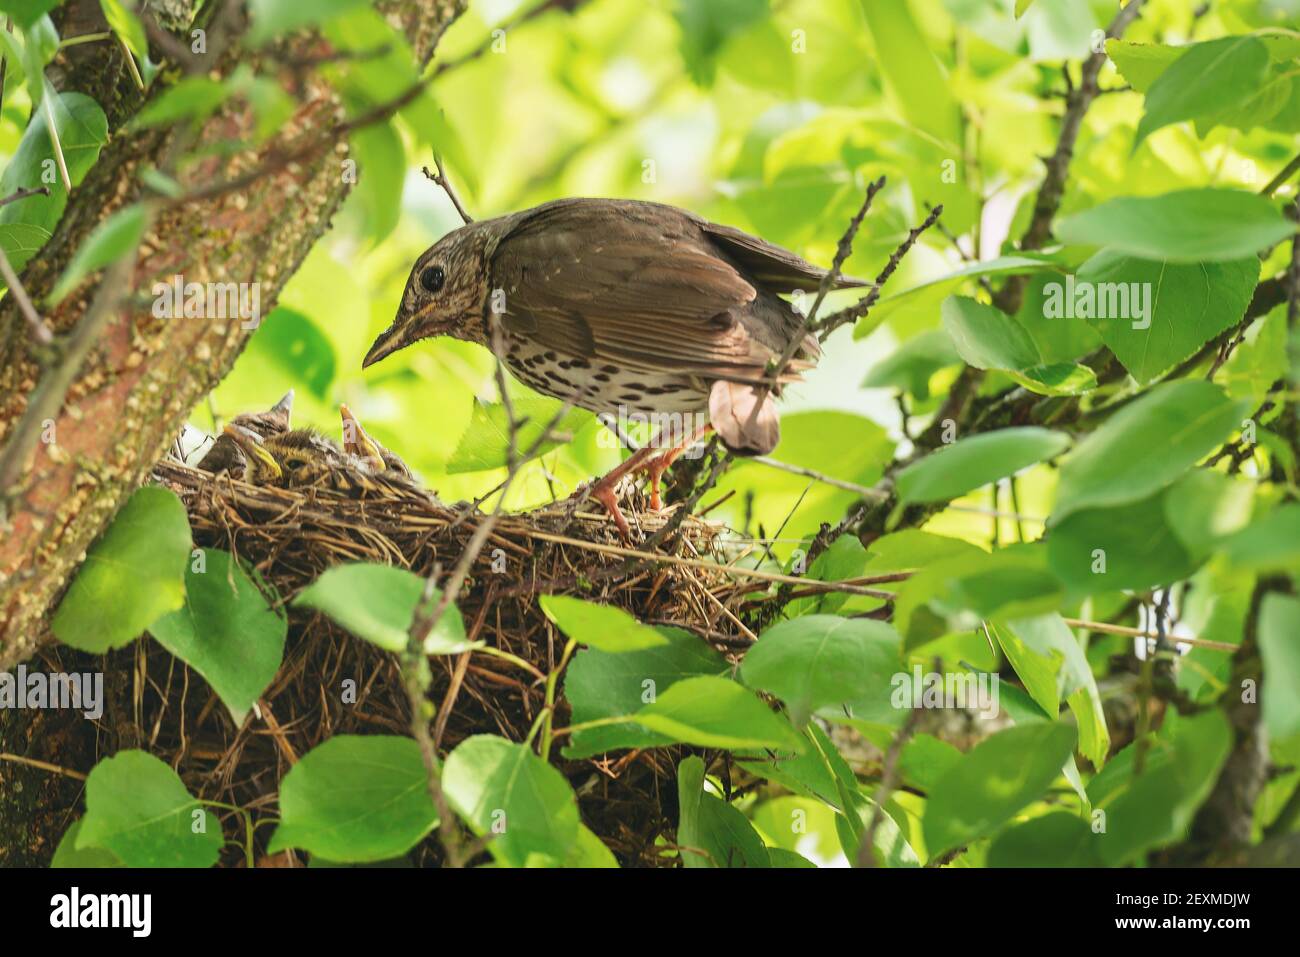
x: 659, y: 463
x: 603, y: 490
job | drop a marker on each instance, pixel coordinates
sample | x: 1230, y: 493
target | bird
x: 623, y: 306
x: 304, y: 458
x: 360, y: 443
x: 225, y: 454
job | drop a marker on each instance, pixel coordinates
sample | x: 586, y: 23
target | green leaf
x: 911, y: 366
x: 1049, y: 638
x: 113, y: 239
x: 590, y: 851
x: 1279, y: 645
x: 780, y: 857
x: 994, y: 781
x: 728, y: 837
x: 68, y: 855
x: 193, y: 98
x: 1185, y: 420
x: 975, y: 462
x: 139, y: 810
x: 226, y: 632
x: 598, y: 684
x: 133, y: 575
x: 1056, y: 378
x: 1188, y: 226
x: 690, y: 796
x: 381, y: 162
x: 706, y: 28
x: 821, y: 661
x: 1022, y: 6
x: 1270, y: 543
x: 356, y: 798
x: 505, y: 791
x: 819, y: 772
x: 1129, y: 546
x: 1184, y: 306
x: 27, y: 12
x: 273, y: 17
x: 1058, y: 839
x: 710, y: 832
x: 82, y: 129
x: 601, y: 626
x: 986, y: 337
x: 123, y: 22
x: 40, y: 45
x: 889, y: 843
x: 290, y: 343
x: 486, y: 442
x: 1141, y: 64
x: 925, y: 759
x: 843, y: 559
x: 911, y: 70
x: 21, y: 242
x: 930, y: 293
x: 1204, y: 507
x: 955, y: 594
x: 377, y: 603
x: 1209, y: 77
x: 717, y: 713
x: 1156, y: 807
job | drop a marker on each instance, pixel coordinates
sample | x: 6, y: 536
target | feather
x: 731, y: 410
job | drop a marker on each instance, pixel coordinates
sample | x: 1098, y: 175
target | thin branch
x: 486, y: 45
x: 54, y: 138
x: 40, y: 331
x: 888, y: 781
x: 48, y: 397
x: 130, y: 62
x: 1286, y: 173
x: 440, y: 178
x: 278, y: 159
x: 172, y: 48
x: 23, y: 193
x: 860, y: 308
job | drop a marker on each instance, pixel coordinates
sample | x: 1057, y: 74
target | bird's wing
x: 779, y: 270
x: 633, y: 283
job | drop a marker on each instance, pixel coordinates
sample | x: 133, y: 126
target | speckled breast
x: 601, y: 385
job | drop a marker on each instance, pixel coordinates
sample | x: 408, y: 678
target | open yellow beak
x: 252, y: 445
x: 361, y: 444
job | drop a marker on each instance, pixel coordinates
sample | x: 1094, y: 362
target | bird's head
x: 445, y: 294
x: 261, y: 467
x: 304, y: 455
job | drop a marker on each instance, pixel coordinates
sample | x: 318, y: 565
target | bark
x: 146, y: 374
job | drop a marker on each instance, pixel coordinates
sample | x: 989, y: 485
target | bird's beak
x: 285, y: 405
x: 251, y: 445
x: 362, y: 444
x: 283, y: 410
x: 389, y: 341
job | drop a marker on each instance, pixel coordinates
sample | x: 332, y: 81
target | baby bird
x: 303, y: 458
x: 360, y: 443
x: 225, y: 454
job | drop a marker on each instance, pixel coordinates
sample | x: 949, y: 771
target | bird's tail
x: 732, y: 410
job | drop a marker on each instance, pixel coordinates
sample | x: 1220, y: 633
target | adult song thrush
x: 621, y: 306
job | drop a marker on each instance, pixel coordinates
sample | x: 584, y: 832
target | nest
x: 290, y: 536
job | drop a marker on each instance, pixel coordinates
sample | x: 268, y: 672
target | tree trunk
x: 146, y: 374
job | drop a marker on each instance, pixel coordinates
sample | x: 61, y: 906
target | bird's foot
x: 607, y: 495
x: 655, y: 469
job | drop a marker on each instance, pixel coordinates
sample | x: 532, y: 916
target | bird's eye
x: 432, y: 278
x: 296, y: 463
